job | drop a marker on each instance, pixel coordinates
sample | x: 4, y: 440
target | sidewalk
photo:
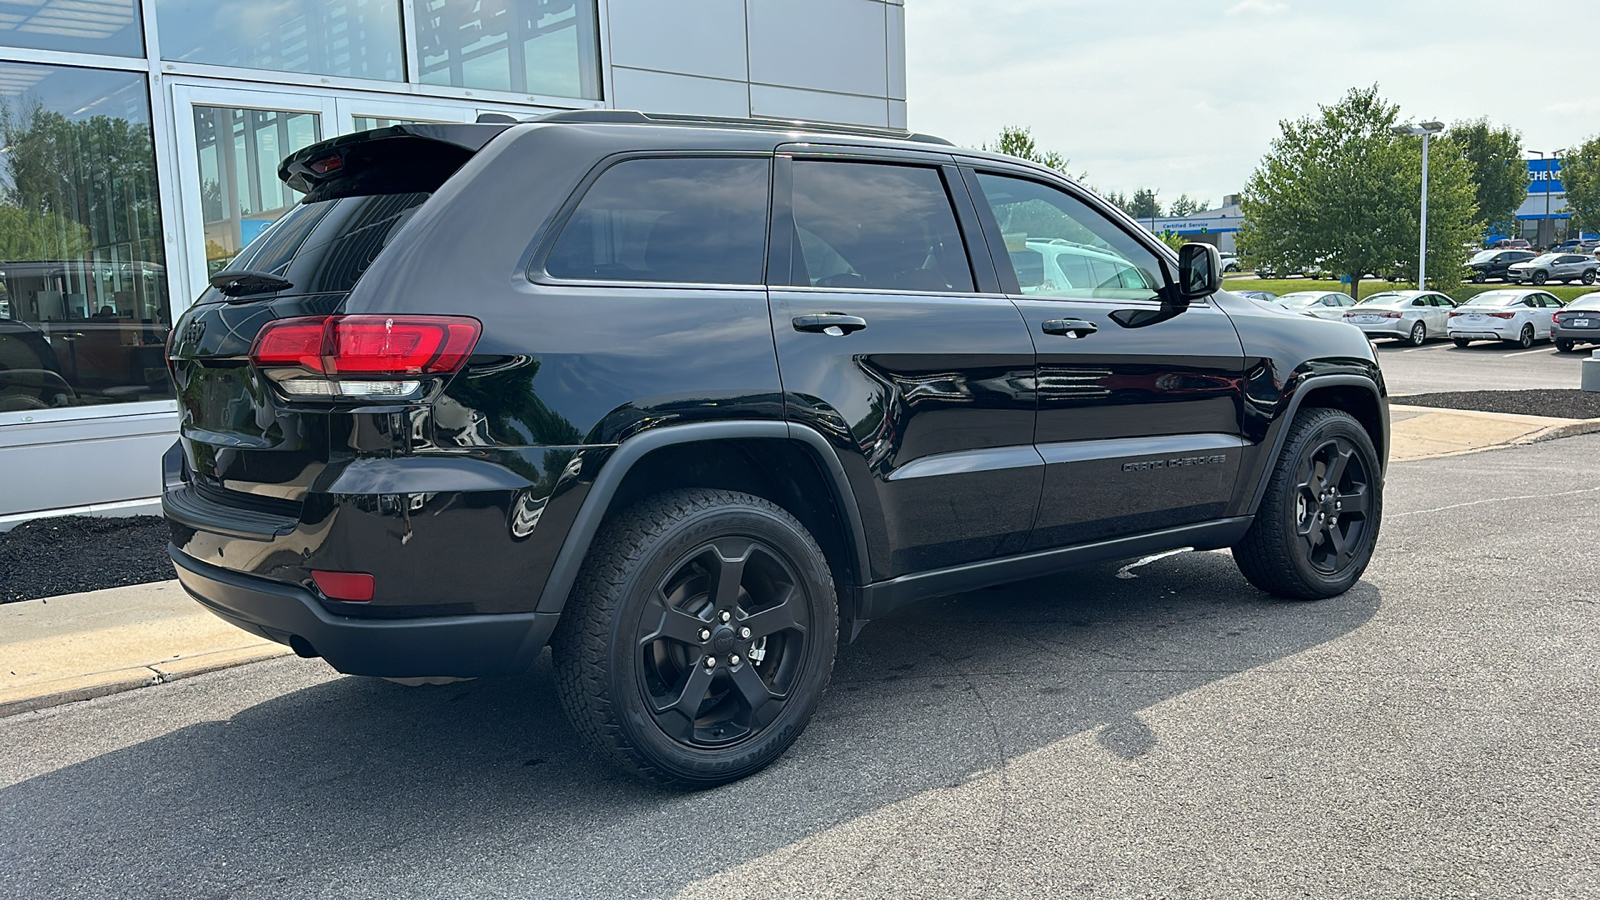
x: 81, y: 646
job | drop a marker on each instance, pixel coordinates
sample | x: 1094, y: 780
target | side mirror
x: 1199, y: 272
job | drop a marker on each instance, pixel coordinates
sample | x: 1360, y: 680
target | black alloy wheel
x: 1419, y: 334
x: 1315, y: 529
x: 1525, y: 339
x: 699, y: 638
x: 1540, y: 277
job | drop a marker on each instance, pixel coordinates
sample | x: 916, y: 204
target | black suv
x: 690, y: 399
x: 1486, y: 264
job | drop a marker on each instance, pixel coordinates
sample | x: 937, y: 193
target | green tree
x: 1580, y: 175
x: 28, y: 235
x: 1144, y: 204
x: 1183, y: 206
x: 1494, y: 157
x: 1339, y: 192
x: 1119, y: 200
x: 1017, y: 141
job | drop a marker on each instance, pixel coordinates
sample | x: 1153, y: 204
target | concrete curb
x: 1430, y: 432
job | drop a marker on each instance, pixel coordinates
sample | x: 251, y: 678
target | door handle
x: 835, y: 324
x: 1072, y: 328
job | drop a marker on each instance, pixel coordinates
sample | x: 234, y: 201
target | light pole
x: 1425, y: 130
x: 1546, y: 188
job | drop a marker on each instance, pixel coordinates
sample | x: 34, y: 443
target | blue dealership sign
x: 1544, y: 176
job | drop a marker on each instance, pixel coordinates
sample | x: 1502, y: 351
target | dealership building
x: 140, y: 140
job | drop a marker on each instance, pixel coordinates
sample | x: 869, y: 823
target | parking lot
x: 1442, y: 366
x: 1159, y: 730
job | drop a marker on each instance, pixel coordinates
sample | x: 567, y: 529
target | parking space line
x: 1526, y: 352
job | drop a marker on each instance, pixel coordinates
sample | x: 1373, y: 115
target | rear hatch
x: 249, y: 443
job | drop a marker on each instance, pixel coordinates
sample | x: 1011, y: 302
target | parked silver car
x: 1318, y: 304
x: 1519, y: 317
x: 1576, y: 323
x: 1563, y: 267
x: 1411, y: 316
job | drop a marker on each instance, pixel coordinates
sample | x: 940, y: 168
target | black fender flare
x: 586, y: 524
x: 1317, y: 382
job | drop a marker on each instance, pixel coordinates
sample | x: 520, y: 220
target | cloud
x: 1259, y: 7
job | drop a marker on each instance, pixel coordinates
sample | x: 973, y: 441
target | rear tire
x: 1525, y: 339
x: 1461, y: 342
x: 682, y: 579
x: 1566, y: 346
x: 1298, y: 547
x: 1419, y: 335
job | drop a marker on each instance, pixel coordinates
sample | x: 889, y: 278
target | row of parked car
x: 1515, y: 315
x: 1526, y: 266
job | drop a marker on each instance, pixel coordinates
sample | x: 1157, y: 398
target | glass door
x: 229, y: 144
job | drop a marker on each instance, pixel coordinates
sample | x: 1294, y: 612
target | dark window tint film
x: 682, y: 221
x: 326, y: 246
x: 876, y: 226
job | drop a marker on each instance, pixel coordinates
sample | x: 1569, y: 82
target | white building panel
x: 826, y: 45
x: 686, y: 37
x: 685, y: 94
x: 788, y: 103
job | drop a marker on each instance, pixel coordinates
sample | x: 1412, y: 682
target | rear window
x: 326, y: 245
x: 681, y: 221
x: 1494, y: 298
x: 1587, y: 301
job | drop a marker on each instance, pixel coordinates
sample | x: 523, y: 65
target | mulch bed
x: 47, y: 557
x: 1560, y: 404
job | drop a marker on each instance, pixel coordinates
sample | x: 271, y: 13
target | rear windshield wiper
x: 244, y: 282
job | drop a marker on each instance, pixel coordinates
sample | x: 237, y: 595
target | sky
x: 1185, y: 96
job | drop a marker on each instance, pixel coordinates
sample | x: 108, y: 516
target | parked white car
x: 1520, y: 317
x: 1410, y: 316
x: 1317, y: 304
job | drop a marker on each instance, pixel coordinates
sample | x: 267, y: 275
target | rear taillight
x: 1454, y: 314
x: 1510, y: 315
x: 1555, y: 318
x: 362, y: 356
x: 1392, y: 315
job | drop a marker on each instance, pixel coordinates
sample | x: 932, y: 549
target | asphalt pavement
x: 1156, y: 731
x: 1483, y: 366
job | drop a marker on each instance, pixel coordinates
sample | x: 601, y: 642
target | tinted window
x: 684, y: 221
x: 1093, y: 253
x: 869, y: 225
x: 1587, y: 301
x: 326, y: 246
x: 1030, y: 267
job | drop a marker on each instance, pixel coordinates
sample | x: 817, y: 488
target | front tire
x: 1317, y: 524
x: 1540, y: 277
x: 699, y: 638
x: 1588, y: 277
x: 1419, y: 335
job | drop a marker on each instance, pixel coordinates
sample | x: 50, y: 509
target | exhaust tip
x: 302, y: 647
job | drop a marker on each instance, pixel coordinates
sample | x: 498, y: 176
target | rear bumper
x: 1583, y: 335
x: 1396, y: 328
x: 462, y: 646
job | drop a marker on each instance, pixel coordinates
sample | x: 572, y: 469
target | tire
x: 1477, y: 278
x: 1525, y: 339
x: 630, y: 653
x: 1540, y: 277
x: 1461, y: 342
x: 1588, y: 277
x: 1566, y: 346
x: 1419, y: 335
x: 1291, y: 549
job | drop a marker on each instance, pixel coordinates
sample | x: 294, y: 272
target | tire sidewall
x: 1419, y: 334
x: 1288, y: 475
x: 662, y: 556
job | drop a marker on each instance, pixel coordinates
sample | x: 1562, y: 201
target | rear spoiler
x: 346, y: 164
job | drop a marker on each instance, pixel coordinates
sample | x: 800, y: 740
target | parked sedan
x: 1576, y: 323
x: 1261, y: 296
x: 1563, y: 267
x: 1318, y: 304
x: 1518, y: 316
x: 1411, y: 316
x: 1486, y: 264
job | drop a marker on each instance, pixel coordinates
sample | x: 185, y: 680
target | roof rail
x: 632, y: 117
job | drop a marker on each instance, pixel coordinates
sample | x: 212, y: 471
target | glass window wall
x: 239, y: 152
x: 110, y: 27
x: 354, y: 38
x: 548, y: 47
x: 84, y: 310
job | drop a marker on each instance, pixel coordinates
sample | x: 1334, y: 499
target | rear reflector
x: 356, y: 587
x: 381, y: 346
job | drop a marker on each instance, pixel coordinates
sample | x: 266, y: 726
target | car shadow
x: 356, y: 786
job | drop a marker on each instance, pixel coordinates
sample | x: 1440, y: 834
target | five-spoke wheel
x: 699, y: 637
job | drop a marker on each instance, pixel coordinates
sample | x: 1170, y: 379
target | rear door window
x: 695, y: 220
x: 877, y: 225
